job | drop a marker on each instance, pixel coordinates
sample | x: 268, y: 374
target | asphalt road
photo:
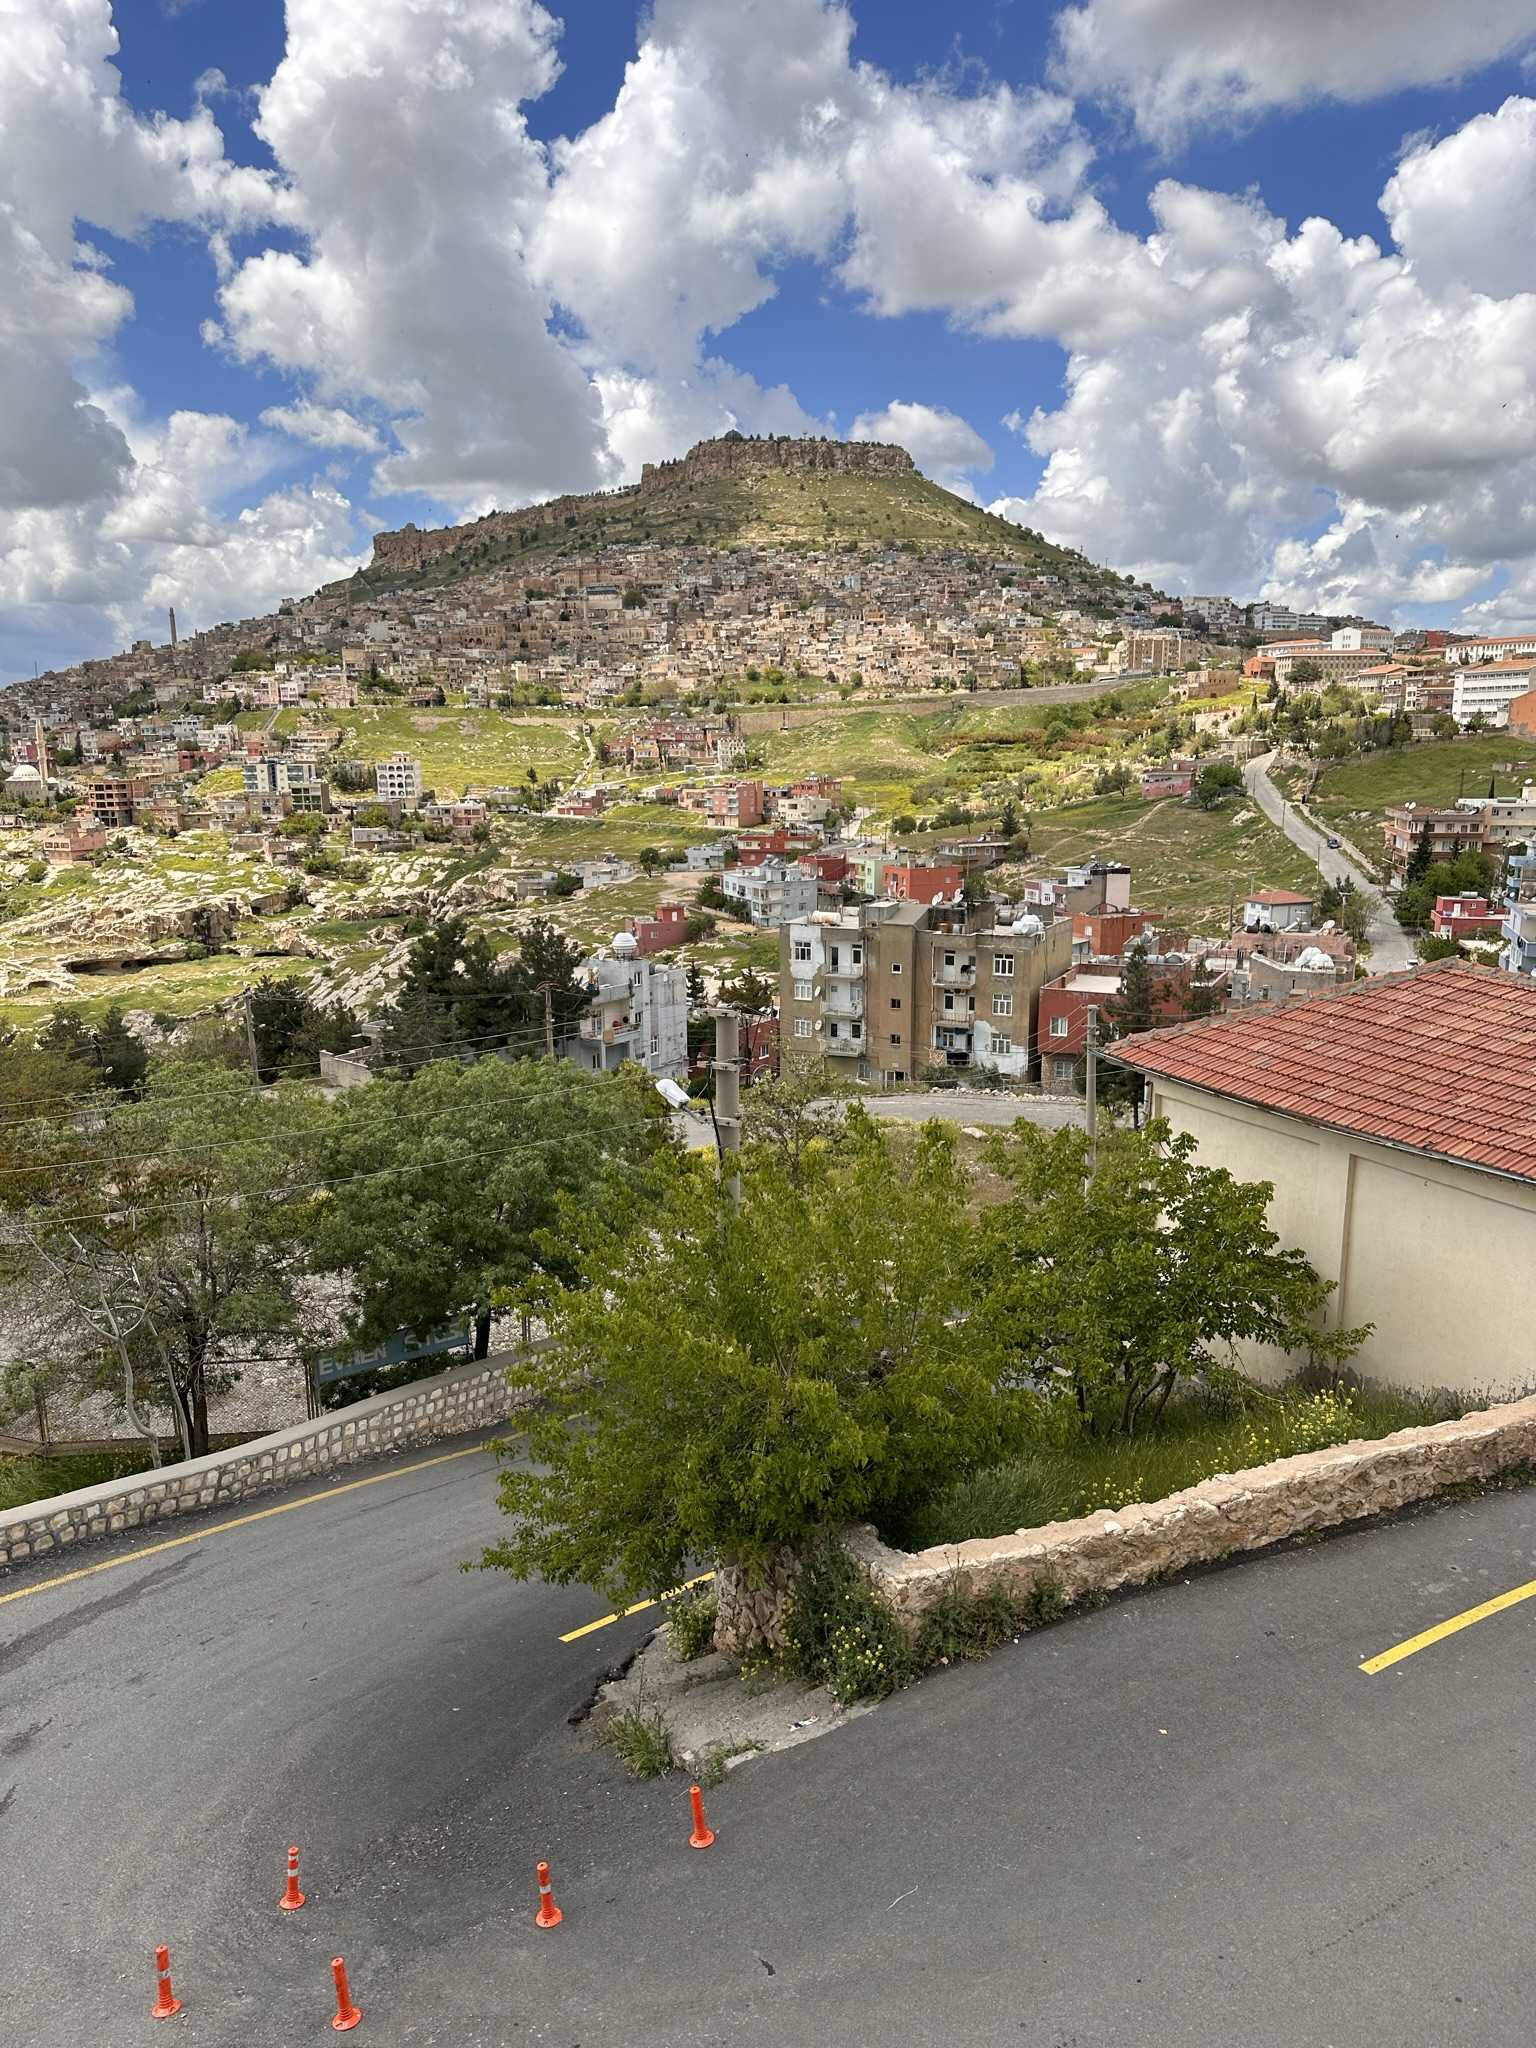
x: 1186, y: 1821
x: 1391, y: 948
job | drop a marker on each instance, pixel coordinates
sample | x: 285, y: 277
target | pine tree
x: 1130, y: 1009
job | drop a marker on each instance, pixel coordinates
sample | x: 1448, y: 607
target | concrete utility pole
x: 549, y: 1018
x: 250, y: 1035
x: 728, y: 1101
x: 1093, y: 1089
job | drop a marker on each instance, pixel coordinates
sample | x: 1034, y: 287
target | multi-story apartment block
x: 771, y: 893
x: 891, y: 988
x: 398, y: 781
x: 638, y: 1011
x: 1473, y: 824
x: 1488, y: 690
x: 277, y: 784
x: 1472, y: 653
x: 1518, y: 930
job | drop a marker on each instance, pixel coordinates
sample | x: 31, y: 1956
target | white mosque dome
x: 24, y: 772
x: 625, y: 945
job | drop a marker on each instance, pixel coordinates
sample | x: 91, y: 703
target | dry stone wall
x: 1251, y: 1510
x: 452, y: 1403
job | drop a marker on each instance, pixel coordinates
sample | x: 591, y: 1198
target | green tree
x: 456, y: 992
x: 1131, y: 1008
x: 1430, y: 947
x: 109, y: 1049
x: 291, y: 1031
x: 1120, y: 1279
x: 1218, y: 779
x: 695, y: 983
x: 752, y: 993
x: 443, y: 1203
x: 727, y: 1383
x: 550, y: 962
x: 161, y: 1225
x: 651, y: 859
x: 1008, y: 819
x: 711, y: 895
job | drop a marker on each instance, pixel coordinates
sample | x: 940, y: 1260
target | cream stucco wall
x: 1440, y: 1258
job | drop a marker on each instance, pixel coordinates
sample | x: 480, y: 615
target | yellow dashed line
x: 1453, y: 1627
x: 639, y: 1607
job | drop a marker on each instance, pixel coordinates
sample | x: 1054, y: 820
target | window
x: 655, y: 1042
x: 802, y: 1027
x: 895, y: 1038
x: 858, y: 956
x: 1059, y: 1027
x: 949, y: 959
x: 803, y: 951
x: 855, y: 1030
x: 1063, y: 1069
x: 949, y: 1002
x: 898, y: 1073
x: 1002, y: 963
x: 803, y: 991
x: 831, y: 1031
x: 1002, y: 1006
x: 1001, y: 1042
x: 895, y: 967
x: 895, y: 1002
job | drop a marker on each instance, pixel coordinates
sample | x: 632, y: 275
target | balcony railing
x: 954, y: 977
x: 843, y: 1002
x: 596, y: 1032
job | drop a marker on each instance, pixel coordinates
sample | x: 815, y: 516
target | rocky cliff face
x: 733, y: 457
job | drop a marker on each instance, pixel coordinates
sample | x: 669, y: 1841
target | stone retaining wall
x: 1251, y: 1510
x: 452, y: 1403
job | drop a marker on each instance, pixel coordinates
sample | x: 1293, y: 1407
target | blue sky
x: 473, y: 258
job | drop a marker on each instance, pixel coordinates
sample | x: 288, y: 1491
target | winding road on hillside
x: 1391, y: 948
x: 1188, y: 1820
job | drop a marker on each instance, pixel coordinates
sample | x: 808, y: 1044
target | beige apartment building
x: 889, y: 989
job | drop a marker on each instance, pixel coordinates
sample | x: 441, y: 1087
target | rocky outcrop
x: 732, y: 457
x: 736, y: 456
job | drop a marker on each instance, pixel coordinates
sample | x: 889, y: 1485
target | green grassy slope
x: 776, y: 510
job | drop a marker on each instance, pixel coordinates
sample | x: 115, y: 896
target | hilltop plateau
x: 734, y: 491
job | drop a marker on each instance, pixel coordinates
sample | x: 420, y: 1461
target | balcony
x: 840, y: 1001
x: 843, y: 968
x: 954, y: 977
x: 596, y: 1032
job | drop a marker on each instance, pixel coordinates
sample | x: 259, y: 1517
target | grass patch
x: 642, y: 1741
x: 1198, y: 1438
x: 1353, y: 797
x: 23, y: 1480
x: 1191, y: 863
x: 460, y: 746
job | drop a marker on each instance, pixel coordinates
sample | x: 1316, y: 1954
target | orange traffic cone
x: 703, y: 1834
x: 292, y: 1897
x: 347, y: 2014
x: 549, y: 1914
x: 166, y: 2004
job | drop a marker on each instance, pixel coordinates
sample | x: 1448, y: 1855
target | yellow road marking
x: 589, y: 1628
x: 287, y: 1507
x: 1454, y: 1626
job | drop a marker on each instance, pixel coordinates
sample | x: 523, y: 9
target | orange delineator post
x: 347, y: 2014
x: 549, y: 1914
x: 703, y: 1834
x: 292, y: 1897
x: 166, y: 2004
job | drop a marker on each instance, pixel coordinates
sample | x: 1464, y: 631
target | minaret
x: 40, y: 743
x: 173, y: 629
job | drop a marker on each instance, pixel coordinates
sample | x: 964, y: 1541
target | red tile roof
x: 1441, y: 1060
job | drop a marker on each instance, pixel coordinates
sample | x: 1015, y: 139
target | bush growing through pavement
x: 839, y: 1633
x: 691, y: 1624
x: 642, y: 1741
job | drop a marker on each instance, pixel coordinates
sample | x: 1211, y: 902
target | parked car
x: 1332, y: 844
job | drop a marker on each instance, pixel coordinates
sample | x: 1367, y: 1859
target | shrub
x: 691, y: 1625
x: 840, y: 1634
x: 1045, y: 1602
x: 962, y: 1625
x: 642, y: 1741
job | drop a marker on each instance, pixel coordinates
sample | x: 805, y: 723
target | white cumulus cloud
x: 323, y: 426
x: 944, y: 446
x: 1176, y: 63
